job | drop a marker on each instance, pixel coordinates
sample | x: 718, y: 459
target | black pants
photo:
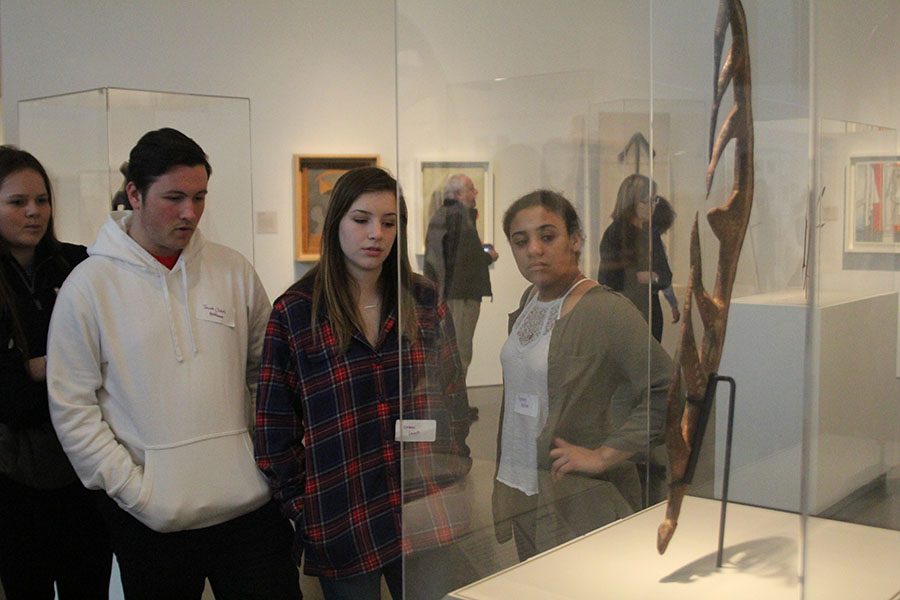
x: 244, y: 558
x: 52, y: 536
x: 366, y: 586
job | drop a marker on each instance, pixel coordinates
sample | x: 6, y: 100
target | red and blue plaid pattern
x: 325, y: 433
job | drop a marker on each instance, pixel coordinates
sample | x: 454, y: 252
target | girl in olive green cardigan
x: 596, y: 412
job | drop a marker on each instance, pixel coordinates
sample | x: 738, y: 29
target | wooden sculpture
x: 729, y: 224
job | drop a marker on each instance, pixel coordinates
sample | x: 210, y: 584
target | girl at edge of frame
x: 578, y: 402
x: 51, y: 530
x: 329, y: 400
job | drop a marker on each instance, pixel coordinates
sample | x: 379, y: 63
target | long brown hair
x: 332, y: 282
x: 633, y: 189
x: 13, y: 160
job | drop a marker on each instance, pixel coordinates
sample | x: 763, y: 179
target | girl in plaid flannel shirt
x: 357, y: 340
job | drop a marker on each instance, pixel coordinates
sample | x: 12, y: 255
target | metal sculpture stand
x: 705, y: 408
x: 727, y: 472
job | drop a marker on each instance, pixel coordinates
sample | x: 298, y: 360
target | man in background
x: 457, y: 261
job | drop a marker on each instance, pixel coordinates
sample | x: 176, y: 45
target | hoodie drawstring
x: 168, y: 303
x: 187, y: 309
x: 187, y: 313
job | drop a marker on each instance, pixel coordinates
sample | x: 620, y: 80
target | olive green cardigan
x: 597, y: 380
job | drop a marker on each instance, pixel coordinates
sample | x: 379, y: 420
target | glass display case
x: 577, y: 99
x: 84, y: 137
x: 531, y: 448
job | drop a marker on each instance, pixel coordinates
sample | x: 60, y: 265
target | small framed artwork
x: 314, y: 178
x: 433, y: 175
x: 872, y: 215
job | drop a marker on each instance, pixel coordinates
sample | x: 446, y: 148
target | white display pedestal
x: 761, y: 560
x: 764, y: 352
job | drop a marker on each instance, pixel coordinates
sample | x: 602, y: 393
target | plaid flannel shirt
x: 325, y: 434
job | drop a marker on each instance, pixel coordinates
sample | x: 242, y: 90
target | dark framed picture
x: 314, y: 178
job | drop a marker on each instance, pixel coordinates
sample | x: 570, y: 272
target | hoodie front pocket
x: 200, y: 483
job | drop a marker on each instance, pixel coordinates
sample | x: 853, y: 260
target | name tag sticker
x: 526, y: 404
x: 415, y: 430
x: 208, y: 311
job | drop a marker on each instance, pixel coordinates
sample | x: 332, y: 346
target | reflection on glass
x: 632, y: 255
x: 457, y: 261
x: 533, y: 117
x: 813, y: 325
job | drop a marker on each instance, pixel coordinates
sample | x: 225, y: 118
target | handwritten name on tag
x: 526, y: 404
x: 415, y: 430
x: 214, y: 311
x: 216, y: 314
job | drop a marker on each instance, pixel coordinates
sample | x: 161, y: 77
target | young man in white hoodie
x: 152, y: 361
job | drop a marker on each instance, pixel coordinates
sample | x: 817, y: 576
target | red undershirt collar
x: 167, y: 261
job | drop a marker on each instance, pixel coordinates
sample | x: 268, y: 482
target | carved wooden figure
x: 729, y: 224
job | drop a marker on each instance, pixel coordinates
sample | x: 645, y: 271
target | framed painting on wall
x: 314, y: 179
x: 872, y: 213
x: 433, y: 175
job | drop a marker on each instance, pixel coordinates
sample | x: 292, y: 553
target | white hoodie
x: 152, y: 375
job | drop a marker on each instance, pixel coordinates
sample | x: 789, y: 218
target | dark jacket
x: 624, y: 252
x: 27, y: 441
x: 454, y: 257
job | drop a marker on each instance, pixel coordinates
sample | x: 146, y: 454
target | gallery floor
x: 877, y: 505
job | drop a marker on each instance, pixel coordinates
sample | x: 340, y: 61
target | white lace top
x: 524, y: 357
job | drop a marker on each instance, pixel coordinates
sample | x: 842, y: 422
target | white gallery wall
x: 324, y: 77
x: 319, y: 76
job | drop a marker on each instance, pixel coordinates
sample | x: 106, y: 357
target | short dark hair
x: 157, y: 152
x: 552, y: 201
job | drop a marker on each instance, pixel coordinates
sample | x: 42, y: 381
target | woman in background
x: 578, y: 403
x: 50, y: 532
x: 359, y: 341
x: 632, y: 257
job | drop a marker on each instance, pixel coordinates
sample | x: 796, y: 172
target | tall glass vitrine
x: 576, y: 99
